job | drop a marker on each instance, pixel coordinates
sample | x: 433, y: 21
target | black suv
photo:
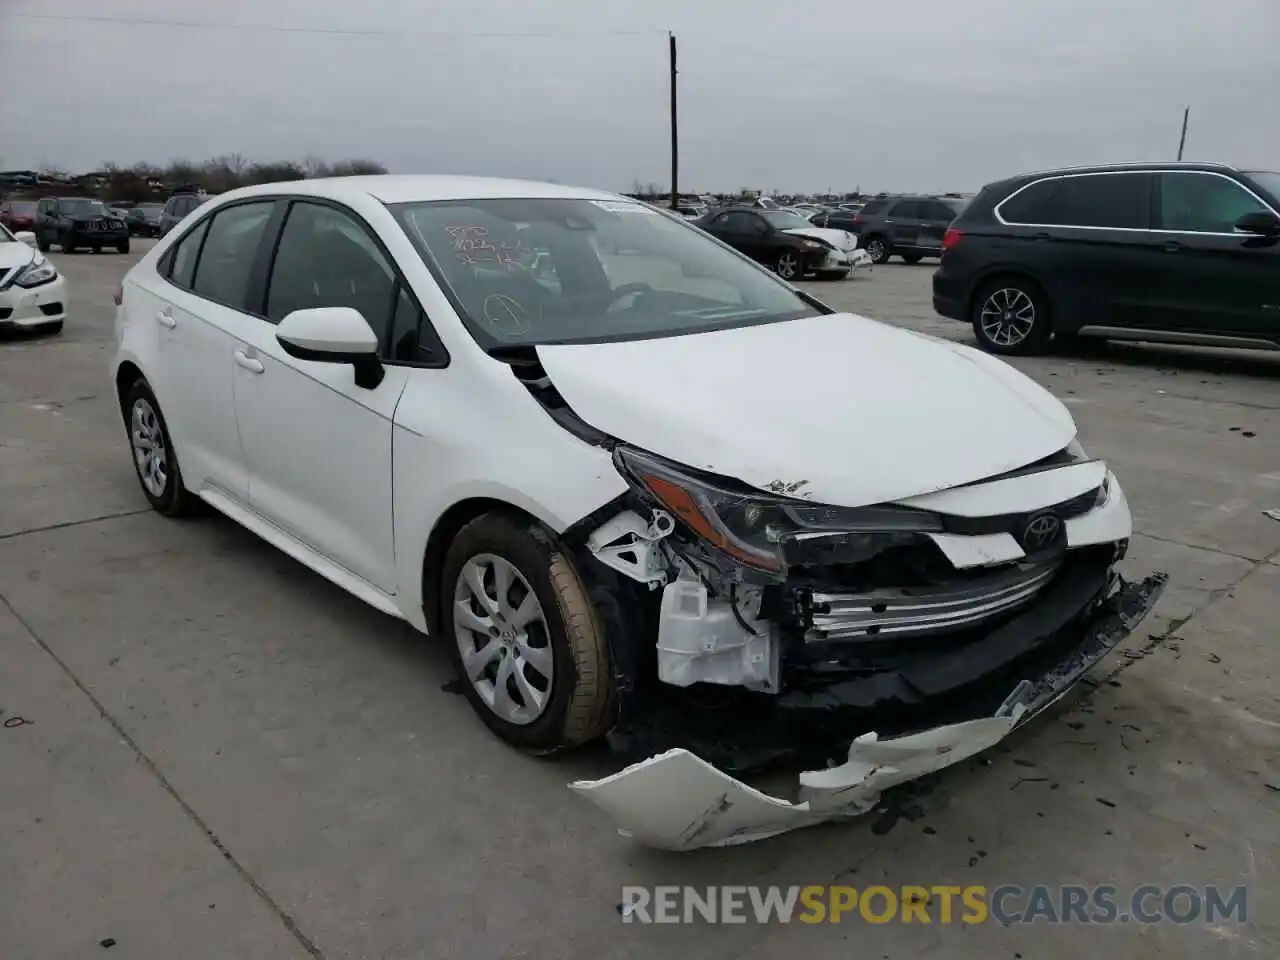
x: 75, y: 222
x: 176, y: 208
x: 1165, y: 252
x: 911, y: 227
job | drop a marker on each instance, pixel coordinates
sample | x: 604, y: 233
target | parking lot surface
x: 224, y: 756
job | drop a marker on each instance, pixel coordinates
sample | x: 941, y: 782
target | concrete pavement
x: 228, y: 757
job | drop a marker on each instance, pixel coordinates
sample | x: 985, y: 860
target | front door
x: 902, y: 221
x: 317, y: 446
x: 1212, y: 279
x: 935, y: 218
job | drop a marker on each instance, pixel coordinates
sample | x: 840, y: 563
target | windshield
x: 5, y: 235
x: 82, y: 208
x: 530, y: 271
x: 785, y: 220
x: 1269, y: 182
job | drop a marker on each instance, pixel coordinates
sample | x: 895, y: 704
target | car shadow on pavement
x: 1189, y: 359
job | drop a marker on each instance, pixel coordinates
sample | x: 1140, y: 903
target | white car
x: 33, y: 295
x: 628, y: 481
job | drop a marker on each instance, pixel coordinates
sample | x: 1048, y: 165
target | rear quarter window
x: 1024, y: 205
x: 873, y: 207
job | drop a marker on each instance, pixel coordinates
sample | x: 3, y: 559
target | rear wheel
x: 154, y: 459
x: 788, y: 265
x: 1011, y: 317
x: 877, y: 249
x: 527, y: 643
x: 912, y: 258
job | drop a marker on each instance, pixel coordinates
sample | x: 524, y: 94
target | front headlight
x: 755, y: 528
x: 36, y: 273
x: 815, y: 245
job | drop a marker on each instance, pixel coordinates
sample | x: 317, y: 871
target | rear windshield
x: 530, y: 271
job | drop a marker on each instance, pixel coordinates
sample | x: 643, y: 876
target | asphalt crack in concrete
x: 280, y: 913
x: 74, y: 523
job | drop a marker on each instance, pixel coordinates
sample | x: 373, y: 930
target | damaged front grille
x: 916, y: 612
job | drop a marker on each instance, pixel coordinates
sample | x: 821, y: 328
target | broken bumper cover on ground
x: 679, y: 801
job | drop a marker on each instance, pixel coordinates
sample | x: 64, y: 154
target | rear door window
x: 905, y: 210
x: 1106, y: 200
x: 1203, y: 203
x: 873, y: 207
x: 226, y: 259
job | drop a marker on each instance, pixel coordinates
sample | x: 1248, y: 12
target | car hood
x: 839, y: 239
x: 14, y: 254
x: 839, y: 408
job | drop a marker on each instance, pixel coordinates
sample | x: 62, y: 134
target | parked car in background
x: 909, y: 227
x: 691, y: 211
x: 177, y: 207
x: 18, y: 215
x: 652, y: 472
x: 77, y: 222
x: 144, y: 220
x: 33, y: 295
x: 1177, y: 253
x: 787, y: 242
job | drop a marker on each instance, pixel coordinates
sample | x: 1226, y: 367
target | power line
x: 328, y: 31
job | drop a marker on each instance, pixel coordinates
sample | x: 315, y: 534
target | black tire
x: 834, y: 275
x: 878, y: 249
x: 912, y: 258
x: 67, y: 245
x: 42, y: 243
x: 174, y: 499
x: 581, y: 701
x: 1020, y: 299
x: 124, y: 247
x: 788, y: 264
x: 97, y: 248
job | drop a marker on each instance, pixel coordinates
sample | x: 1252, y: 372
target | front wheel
x: 42, y: 243
x: 788, y: 265
x: 1011, y: 317
x: 67, y: 245
x: 527, y: 643
x: 123, y: 247
x: 878, y: 250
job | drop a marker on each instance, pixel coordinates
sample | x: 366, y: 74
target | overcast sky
x: 915, y: 95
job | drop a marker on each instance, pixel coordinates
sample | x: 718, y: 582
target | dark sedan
x: 777, y: 239
x: 144, y: 220
x: 76, y: 222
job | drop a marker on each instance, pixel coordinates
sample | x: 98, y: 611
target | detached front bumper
x: 679, y: 801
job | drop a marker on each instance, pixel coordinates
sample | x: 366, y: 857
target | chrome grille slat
x: 897, y: 612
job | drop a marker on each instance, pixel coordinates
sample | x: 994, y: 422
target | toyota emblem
x: 1041, y: 531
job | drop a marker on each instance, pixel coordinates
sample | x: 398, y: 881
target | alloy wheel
x: 502, y: 634
x: 788, y: 266
x: 1008, y: 316
x: 149, y: 450
x: 876, y: 251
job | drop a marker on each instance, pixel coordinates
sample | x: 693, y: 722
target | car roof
x: 1133, y: 165
x: 397, y: 188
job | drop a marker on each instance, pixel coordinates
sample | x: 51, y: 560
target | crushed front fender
x: 678, y: 801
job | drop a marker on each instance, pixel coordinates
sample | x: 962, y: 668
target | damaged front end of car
x: 870, y: 645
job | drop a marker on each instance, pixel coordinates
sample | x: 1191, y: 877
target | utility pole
x: 675, y: 131
x: 1183, y: 141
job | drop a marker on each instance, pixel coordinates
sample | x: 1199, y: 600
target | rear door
x: 935, y: 217
x: 201, y: 313
x: 1087, y: 237
x: 902, y: 223
x: 1212, y: 279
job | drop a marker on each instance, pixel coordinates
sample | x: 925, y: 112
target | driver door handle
x: 165, y: 319
x: 251, y: 364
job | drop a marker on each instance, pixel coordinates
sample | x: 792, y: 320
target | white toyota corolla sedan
x: 639, y: 486
x: 33, y: 295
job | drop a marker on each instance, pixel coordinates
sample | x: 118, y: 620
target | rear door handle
x: 251, y: 364
x: 165, y: 319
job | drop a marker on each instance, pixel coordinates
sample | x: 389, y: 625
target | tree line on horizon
x: 146, y: 181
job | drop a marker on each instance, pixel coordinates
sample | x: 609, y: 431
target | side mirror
x: 1259, y: 224
x: 333, y: 335
x: 27, y: 237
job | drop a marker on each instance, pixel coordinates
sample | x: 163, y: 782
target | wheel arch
x: 127, y: 374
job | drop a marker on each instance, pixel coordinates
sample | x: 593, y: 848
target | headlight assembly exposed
x: 752, y: 528
x: 36, y: 273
